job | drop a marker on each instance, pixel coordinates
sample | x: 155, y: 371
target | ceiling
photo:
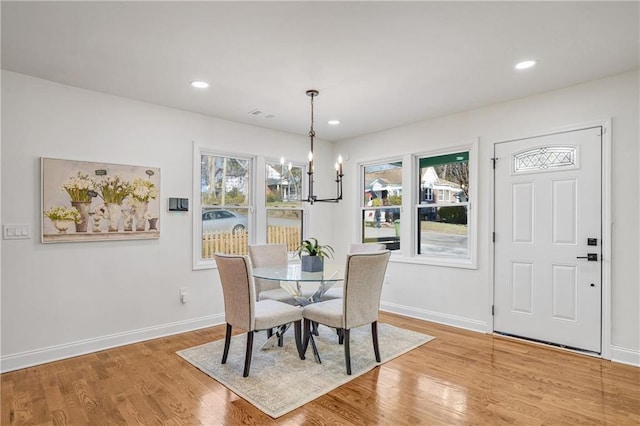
x: 377, y: 65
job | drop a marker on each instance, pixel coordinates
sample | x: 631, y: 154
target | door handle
x: 591, y: 257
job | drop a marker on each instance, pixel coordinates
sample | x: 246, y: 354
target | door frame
x: 606, y: 170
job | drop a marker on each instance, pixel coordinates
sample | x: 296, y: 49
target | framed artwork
x: 87, y: 201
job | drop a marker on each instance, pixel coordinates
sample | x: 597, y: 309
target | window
x: 222, y: 223
x: 284, y: 208
x: 381, y: 202
x: 428, y: 194
x: 443, y: 225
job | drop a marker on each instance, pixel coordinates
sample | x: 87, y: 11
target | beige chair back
x: 263, y: 255
x: 366, y: 247
x: 363, y: 279
x: 237, y: 289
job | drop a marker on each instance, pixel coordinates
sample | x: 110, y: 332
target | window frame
x: 198, y: 151
x: 362, y: 208
x: 470, y: 262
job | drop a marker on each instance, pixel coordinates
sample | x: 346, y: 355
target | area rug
x: 280, y: 382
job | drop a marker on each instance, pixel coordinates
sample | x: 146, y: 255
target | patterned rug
x: 280, y: 382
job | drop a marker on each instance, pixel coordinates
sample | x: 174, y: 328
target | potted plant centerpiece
x: 312, y: 255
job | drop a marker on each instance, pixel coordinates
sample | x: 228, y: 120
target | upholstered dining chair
x: 243, y: 311
x: 363, y: 278
x: 336, y: 292
x: 264, y: 255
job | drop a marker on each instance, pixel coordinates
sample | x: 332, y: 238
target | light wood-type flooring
x: 460, y: 378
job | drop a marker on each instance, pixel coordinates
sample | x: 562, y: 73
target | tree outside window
x: 443, y: 229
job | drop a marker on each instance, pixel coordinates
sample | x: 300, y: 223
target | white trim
x: 625, y: 355
x: 606, y: 170
x: 607, y: 232
x: 26, y: 359
x: 437, y: 317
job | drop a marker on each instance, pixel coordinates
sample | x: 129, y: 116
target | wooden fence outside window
x: 227, y: 242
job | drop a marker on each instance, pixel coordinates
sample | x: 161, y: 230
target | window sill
x: 430, y: 261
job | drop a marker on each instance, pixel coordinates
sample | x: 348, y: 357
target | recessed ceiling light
x: 334, y: 122
x: 199, y: 84
x: 526, y: 64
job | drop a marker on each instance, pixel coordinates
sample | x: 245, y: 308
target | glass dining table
x: 292, y: 279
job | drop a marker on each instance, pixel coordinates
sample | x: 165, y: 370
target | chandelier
x: 312, y: 198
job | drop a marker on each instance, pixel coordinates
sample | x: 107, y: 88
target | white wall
x: 60, y: 300
x: 462, y: 297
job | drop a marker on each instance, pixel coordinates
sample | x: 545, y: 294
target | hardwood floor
x: 460, y: 378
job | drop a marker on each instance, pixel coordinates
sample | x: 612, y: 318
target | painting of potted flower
x: 80, y: 189
x: 113, y: 190
x: 98, y: 213
x: 110, y: 199
x: 153, y: 221
x: 142, y: 190
x: 62, y: 217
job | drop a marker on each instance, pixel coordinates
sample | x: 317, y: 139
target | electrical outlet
x: 184, y: 294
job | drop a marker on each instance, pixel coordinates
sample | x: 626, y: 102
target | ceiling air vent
x: 255, y: 112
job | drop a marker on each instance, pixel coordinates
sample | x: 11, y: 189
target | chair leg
x: 227, y: 343
x: 297, y: 326
x: 281, y: 335
x: 307, y: 335
x: 340, y: 332
x: 347, y: 354
x: 247, y: 356
x: 269, y: 332
x: 374, y: 334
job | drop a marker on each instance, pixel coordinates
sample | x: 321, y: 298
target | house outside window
x: 222, y: 223
x: 428, y: 194
x: 283, y: 202
x: 443, y: 225
x: 381, y: 202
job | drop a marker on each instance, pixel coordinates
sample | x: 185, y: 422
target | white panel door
x: 547, y: 221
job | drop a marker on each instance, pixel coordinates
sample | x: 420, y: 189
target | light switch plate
x: 16, y: 232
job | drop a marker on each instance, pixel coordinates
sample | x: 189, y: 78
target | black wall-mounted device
x: 178, y: 204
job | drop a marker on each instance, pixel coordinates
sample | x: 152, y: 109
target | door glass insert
x: 544, y: 158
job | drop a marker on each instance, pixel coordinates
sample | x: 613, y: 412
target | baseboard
x: 618, y: 354
x: 625, y: 356
x: 438, y: 317
x: 54, y: 353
